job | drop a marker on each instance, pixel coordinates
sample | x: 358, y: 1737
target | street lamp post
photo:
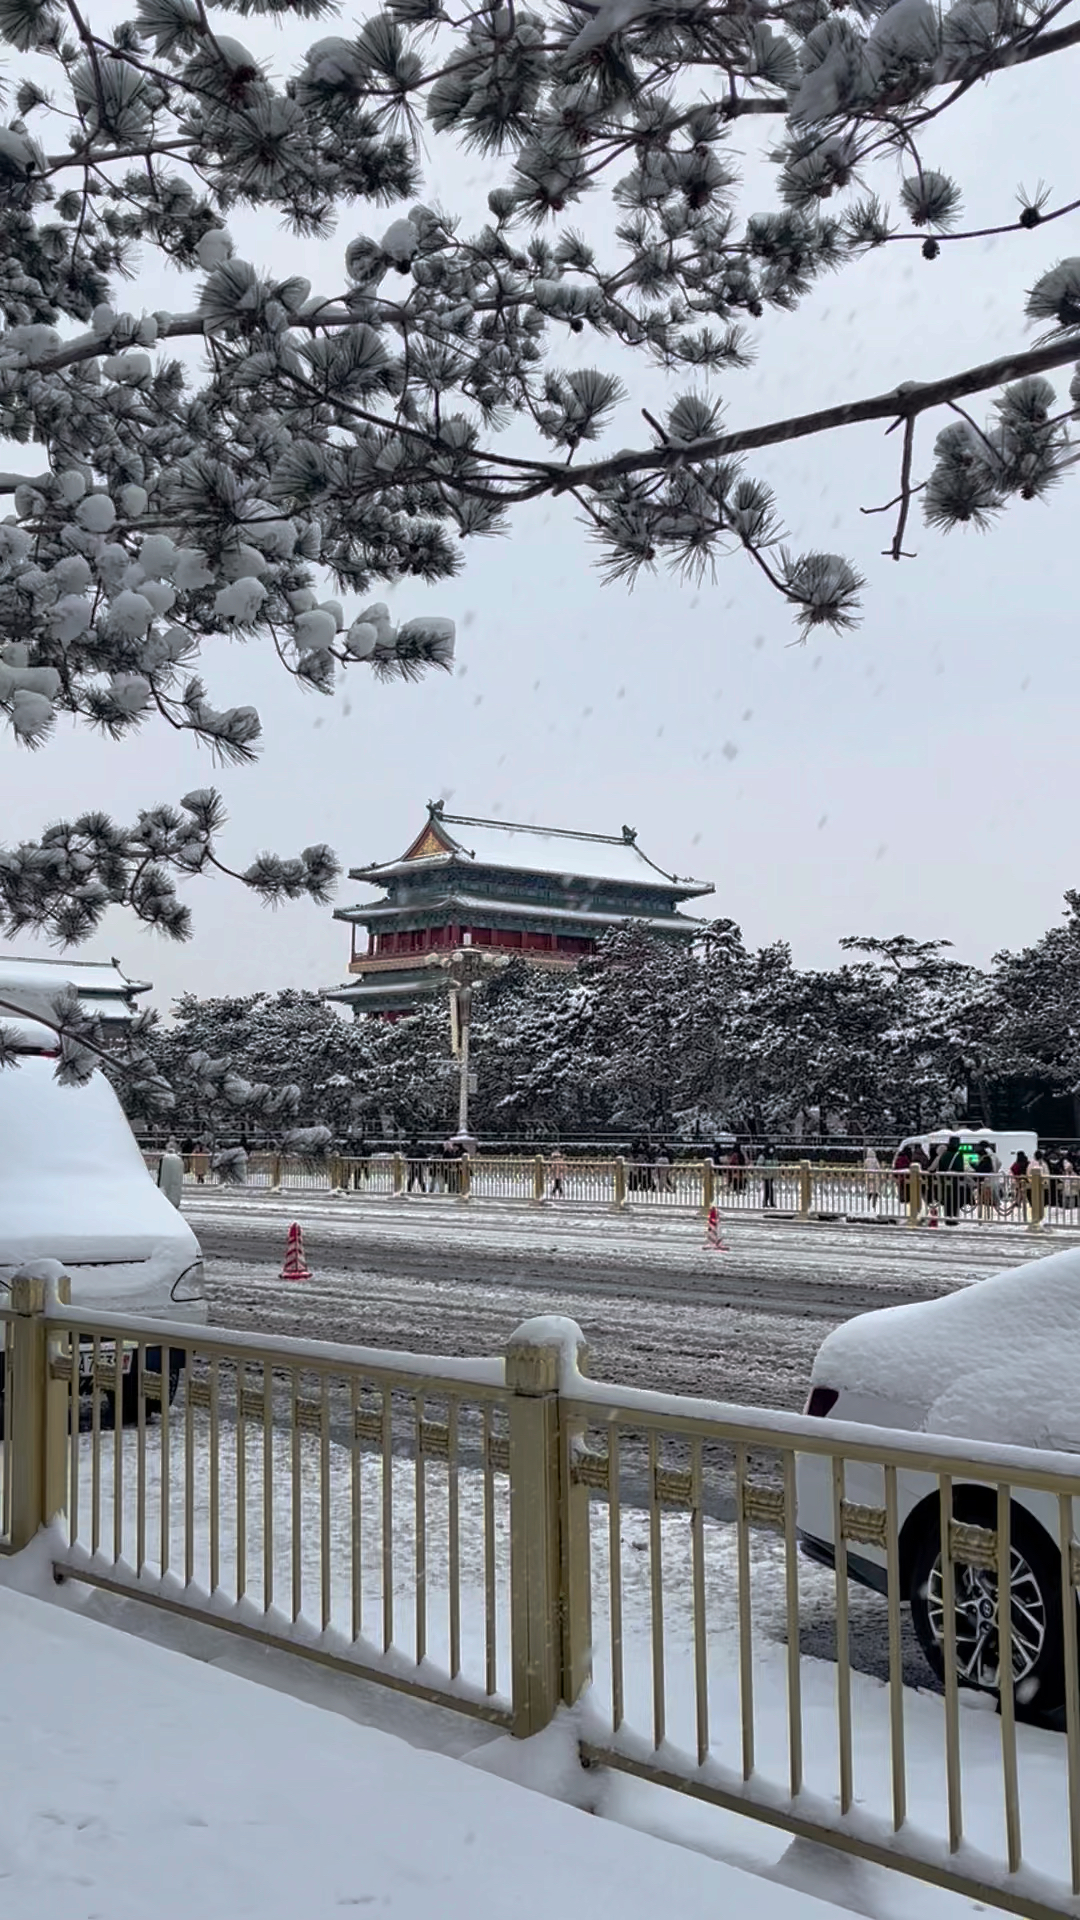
x: 464, y: 1024
x: 468, y: 969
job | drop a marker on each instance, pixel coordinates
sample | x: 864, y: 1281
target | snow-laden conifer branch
x: 63, y: 883
x: 311, y: 447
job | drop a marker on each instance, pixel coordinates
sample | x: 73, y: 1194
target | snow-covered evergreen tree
x: 1031, y: 1024
x: 642, y: 1038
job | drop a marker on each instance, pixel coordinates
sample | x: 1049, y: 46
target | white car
x: 74, y: 1187
x: 998, y: 1361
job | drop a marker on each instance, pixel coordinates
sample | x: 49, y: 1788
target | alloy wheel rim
x: 978, y: 1652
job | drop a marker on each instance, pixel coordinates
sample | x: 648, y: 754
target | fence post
x: 275, y: 1172
x: 465, y: 1183
x: 620, y: 1182
x: 539, y: 1178
x: 707, y: 1185
x: 37, y: 1411
x: 1037, y: 1190
x: 399, y: 1173
x: 806, y: 1189
x: 914, y: 1202
x: 550, y: 1596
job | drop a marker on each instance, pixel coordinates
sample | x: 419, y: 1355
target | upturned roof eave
x: 439, y: 864
x: 516, y: 910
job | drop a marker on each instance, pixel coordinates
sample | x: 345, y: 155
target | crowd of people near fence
x: 953, y: 1177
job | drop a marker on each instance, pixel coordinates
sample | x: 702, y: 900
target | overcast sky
x: 914, y: 776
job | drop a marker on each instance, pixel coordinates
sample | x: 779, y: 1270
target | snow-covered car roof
x: 73, y: 1183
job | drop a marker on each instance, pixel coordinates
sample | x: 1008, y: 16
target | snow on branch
x: 262, y: 462
x: 62, y: 884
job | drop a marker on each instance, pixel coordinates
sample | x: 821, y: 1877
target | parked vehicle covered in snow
x: 74, y: 1187
x: 997, y: 1361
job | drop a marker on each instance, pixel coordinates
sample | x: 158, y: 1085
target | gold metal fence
x: 509, y: 1536
x: 502, y: 1178
x: 725, y: 1669
x: 349, y: 1505
x: 7, y: 1396
x: 790, y: 1189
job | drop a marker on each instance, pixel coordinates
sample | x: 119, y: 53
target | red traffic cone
x: 712, y: 1231
x: 295, y: 1267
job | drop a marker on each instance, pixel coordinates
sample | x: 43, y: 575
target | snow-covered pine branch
x: 62, y: 884
x: 314, y: 445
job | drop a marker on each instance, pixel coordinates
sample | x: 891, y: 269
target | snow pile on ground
x: 137, y: 1781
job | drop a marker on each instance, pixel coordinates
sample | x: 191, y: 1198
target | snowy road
x: 658, y: 1308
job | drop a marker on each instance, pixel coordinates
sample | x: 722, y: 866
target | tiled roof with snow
x: 558, y: 851
x: 103, y: 988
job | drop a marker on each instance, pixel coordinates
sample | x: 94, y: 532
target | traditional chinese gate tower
x: 545, y: 894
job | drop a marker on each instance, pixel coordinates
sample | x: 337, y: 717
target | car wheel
x: 1038, y: 1661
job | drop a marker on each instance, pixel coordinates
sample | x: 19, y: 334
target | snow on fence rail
x: 510, y: 1536
x: 796, y: 1190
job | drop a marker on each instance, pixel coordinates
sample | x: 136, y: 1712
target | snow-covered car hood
x: 998, y: 1361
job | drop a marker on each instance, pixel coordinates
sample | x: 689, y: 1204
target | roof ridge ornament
x: 629, y: 834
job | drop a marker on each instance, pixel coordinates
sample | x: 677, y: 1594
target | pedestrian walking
x: 1040, y: 1165
x: 984, y: 1179
x: 557, y: 1169
x: 200, y: 1159
x: 415, y: 1162
x: 947, y: 1172
x: 902, y: 1170
x: 170, y: 1176
x: 769, y: 1165
x: 921, y: 1159
x: 452, y: 1153
x: 872, y: 1168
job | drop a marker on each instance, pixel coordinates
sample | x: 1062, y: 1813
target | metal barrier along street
x: 510, y: 1537
x: 797, y: 1190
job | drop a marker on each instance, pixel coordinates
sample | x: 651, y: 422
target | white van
x: 74, y: 1187
x: 1007, y: 1144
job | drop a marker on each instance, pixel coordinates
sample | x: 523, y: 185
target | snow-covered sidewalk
x: 162, y: 1746
x: 136, y: 1781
